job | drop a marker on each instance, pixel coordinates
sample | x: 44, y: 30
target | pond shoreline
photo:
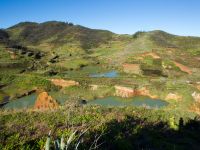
x: 4, y: 101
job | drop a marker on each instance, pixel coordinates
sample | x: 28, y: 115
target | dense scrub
x: 121, y: 128
x: 58, y: 33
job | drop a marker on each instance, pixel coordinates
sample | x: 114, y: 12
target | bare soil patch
x: 183, y: 67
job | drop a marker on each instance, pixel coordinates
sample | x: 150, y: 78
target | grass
x: 20, y: 84
x: 85, y: 92
x: 72, y: 64
x: 30, y: 128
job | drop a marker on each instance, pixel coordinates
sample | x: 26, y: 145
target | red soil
x: 44, y: 101
x: 183, y: 68
x: 64, y: 83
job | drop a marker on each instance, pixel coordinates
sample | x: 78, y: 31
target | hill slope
x: 54, y: 35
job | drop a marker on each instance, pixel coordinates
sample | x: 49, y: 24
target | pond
x: 111, y: 74
x: 24, y: 102
x: 59, y: 96
x: 135, y: 101
x: 29, y: 101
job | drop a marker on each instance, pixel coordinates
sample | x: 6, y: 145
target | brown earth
x: 64, y: 83
x: 94, y: 87
x: 170, y: 49
x: 153, y: 55
x: 195, y: 107
x: 196, y: 96
x: 12, y: 54
x: 183, y: 68
x: 124, y: 91
x: 173, y: 96
x: 132, y: 68
x: 197, y: 58
x: 139, y: 58
x: 127, y: 92
x: 198, y: 87
x: 44, y: 101
x: 144, y: 92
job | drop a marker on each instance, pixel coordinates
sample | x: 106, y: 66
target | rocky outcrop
x: 132, y: 68
x: 64, y: 83
x: 144, y: 92
x: 124, y: 91
x: 44, y: 101
x: 173, y: 96
x: 127, y: 92
x: 196, y: 96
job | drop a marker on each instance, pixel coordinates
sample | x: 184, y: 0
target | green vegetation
x: 127, y: 126
x: 57, y: 33
x: 152, y: 66
x: 85, y: 92
x: 31, y: 54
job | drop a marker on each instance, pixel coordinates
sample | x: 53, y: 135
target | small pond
x: 111, y: 74
x: 136, y: 101
x: 24, y: 102
x: 29, y: 101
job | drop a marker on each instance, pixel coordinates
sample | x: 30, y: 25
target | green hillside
x: 56, y: 36
x: 111, y: 69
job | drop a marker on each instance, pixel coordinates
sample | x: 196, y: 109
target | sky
x: 181, y: 17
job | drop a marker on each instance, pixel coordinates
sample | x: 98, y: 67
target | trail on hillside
x: 140, y: 45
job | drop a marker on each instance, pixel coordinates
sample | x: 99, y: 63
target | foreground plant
x: 61, y: 145
x: 172, y: 124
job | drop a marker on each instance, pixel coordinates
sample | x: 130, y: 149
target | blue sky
x: 180, y: 17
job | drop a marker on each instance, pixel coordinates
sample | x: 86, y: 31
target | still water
x: 29, y: 101
x: 135, y: 101
x: 111, y: 74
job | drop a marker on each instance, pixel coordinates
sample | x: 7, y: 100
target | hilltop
x: 55, y: 35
